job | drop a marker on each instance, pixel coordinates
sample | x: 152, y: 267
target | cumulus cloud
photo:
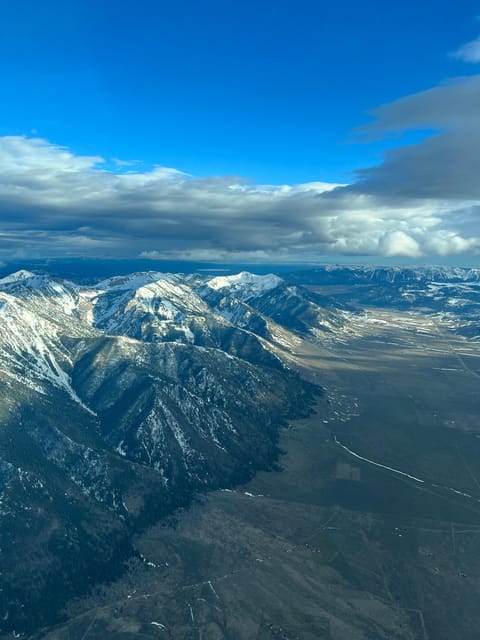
x: 53, y: 202
x: 399, y: 243
x: 469, y: 52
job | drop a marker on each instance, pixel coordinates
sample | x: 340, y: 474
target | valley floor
x: 370, y: 531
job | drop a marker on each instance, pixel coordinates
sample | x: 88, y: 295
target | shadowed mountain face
x: 118, y: 402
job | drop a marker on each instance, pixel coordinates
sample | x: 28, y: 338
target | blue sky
x: 236, y: 96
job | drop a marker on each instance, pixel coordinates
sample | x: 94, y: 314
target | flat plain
x: 368, y: 530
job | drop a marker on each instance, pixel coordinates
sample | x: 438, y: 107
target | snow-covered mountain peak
x: 47, y: 295
x: 247, y: 283
x: 168, y: 295
x: 16, y: 277
x: 141, y: 304
x: 134, y: 281
x: 26, y: 280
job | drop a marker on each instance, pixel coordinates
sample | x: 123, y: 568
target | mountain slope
x: 118, y: 402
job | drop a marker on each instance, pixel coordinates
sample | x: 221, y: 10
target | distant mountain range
x: 342, y: 274
x: 445, y: 290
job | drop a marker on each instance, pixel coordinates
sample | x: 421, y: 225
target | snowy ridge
x: 38, y: 312
x: 31, y: 351
x: 45, y: 295
x: 18, y: 276
x: 246, y: 285
x: 134, y: 281
x: 401, y: 273
x: 46, y: 325
x: 163, y: 298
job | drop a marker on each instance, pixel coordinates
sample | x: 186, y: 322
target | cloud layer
x: 422, y: 201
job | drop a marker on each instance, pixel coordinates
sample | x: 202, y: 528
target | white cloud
x: 399, y: 243
x: 469, y: 52
x: 19, y: 154
x: 53, y: 202
x: 445, y: 243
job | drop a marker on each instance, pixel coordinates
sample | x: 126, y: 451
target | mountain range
x: 452, y: 292
x: 120, y: 401
x: 123, y: 399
